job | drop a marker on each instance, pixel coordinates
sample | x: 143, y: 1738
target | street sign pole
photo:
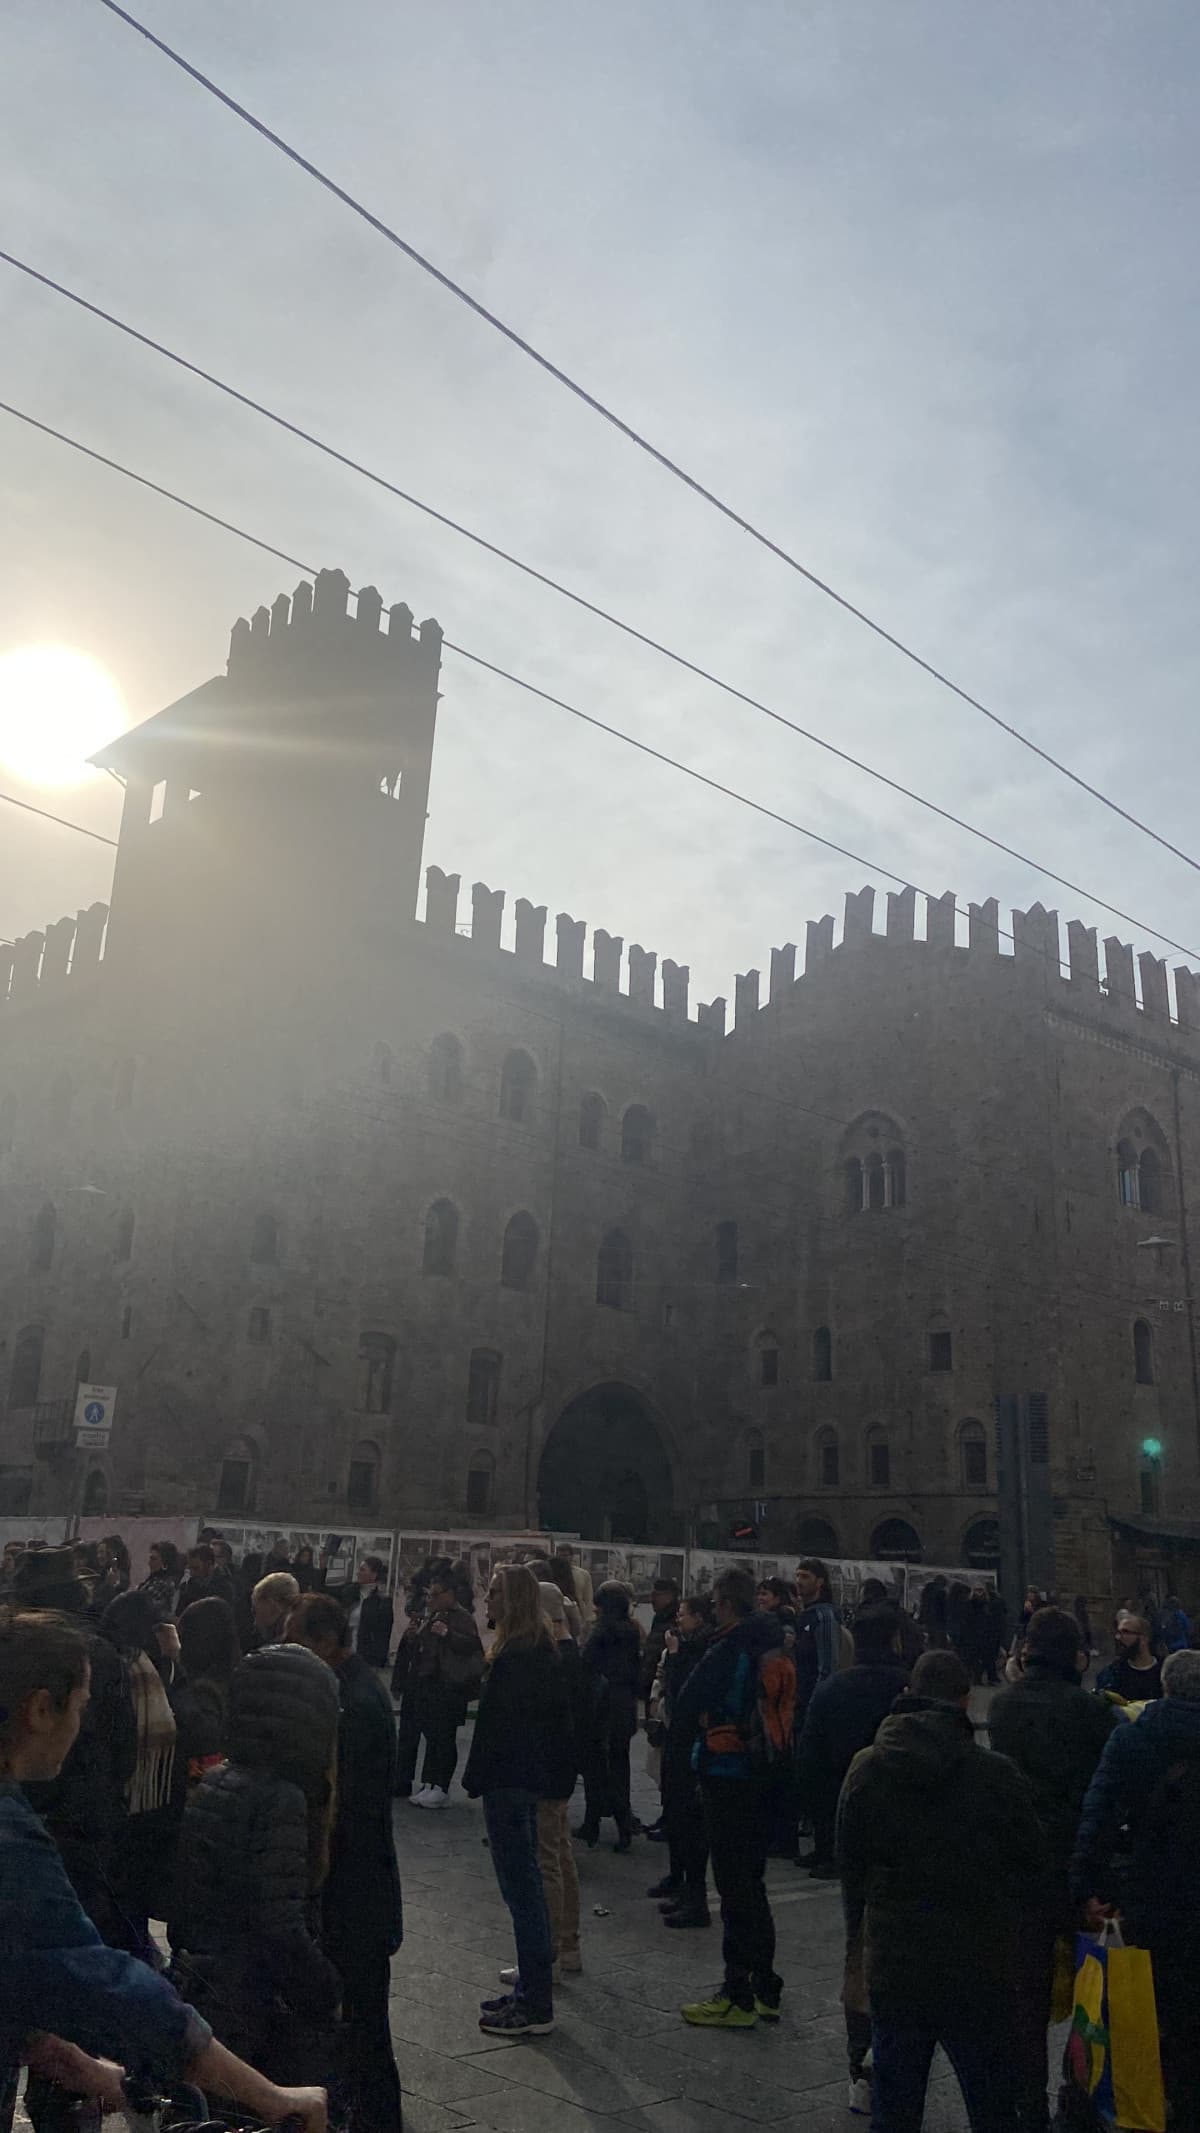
x: 94, y: 1409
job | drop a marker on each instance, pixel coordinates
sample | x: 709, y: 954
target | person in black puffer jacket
x: 612, y: 1662
x: 683, y: 1889
x: 252, y: 1860
x: 1055, y: 1731
x: 845, y: 1714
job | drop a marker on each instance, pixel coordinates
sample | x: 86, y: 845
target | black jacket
x: 523, y: 1739
x: 453, y: 1663
x: 652, y: 1649
x: 375, y: 1622
x: 612, y: 1657
x: 844, y: 1716
x: 84, y: 1806
x: 219, y: 1586
x: 719, y: 1699
x: 362, y: 1893
x: 1054, y: 1731
x: 939, y: 1840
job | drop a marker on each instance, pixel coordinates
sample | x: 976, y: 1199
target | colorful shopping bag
x: 1112, y: 2056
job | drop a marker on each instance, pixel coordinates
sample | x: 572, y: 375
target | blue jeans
x: 980, y: 2047
x: 511, y: 1821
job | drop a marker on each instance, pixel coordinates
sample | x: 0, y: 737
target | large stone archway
x: 605, y: 1472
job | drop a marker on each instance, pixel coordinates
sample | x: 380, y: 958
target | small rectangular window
x: 975, y: 1465
x: 770, y: 1366
x: 127, y: 1322
x: 158, y: 800
x: 259, y: 1325
x: 829, y: 1466
x: 727, y: 1251
x: 483, y: 1388
x: 756, y: 1467
x: 360, y: 1484
x: 941, y: 1352
x: 881, y: 1466
x: 479, y: 1492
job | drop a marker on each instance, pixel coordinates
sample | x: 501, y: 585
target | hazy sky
x: 913, y: 286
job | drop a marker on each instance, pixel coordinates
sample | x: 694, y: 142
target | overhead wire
x: 476, y: 659
x: 28, y: 808
x: 540, y: 577
x: 632, y: 434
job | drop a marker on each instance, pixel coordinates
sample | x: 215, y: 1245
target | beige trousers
x: 559, y: 1878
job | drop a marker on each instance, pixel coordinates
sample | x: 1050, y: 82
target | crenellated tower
x: 283, y: 801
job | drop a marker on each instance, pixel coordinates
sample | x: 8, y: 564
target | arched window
x: 895, y: 1541
x: 26, y: 1375
x: 873, y: 1165
x: 62, y: 1096
x: 614, y: 1271
x: 941, y: 1349
x: 83, y: 1367
x: 972, y: 1454
x: 519, y: 1256
x: 822, y: 1356
x: 815, y: 1536
x: 879, y: 1459
x: 8, y: 1121
x: 382, y: 1063
x: 727, y: 1253
x: 123, y: 1084
x: 376, y: 1369
x: 766, y: 1358
x: 518, y: 1087
x: 981, y: 1544
x: 756, y: 1460
x: 123, y: 1248
x: 828, y: 1459
x: 235, y: 1487
x: 95, y: 1494
x: 592, y: 1114
x: 264, y: 1240
x: 480, y: 1478
x: 44, y: 1229
x: 362, y: 1478
x: 1143, y: 1353
x: 441, y: 1238
x: 445, y: 1070
x: 483, y: 1388
x: 637, y: 1134
x: 1143, y: 1165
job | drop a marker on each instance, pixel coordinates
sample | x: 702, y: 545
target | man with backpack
x: 738, y: 1706
x: 1148, y: 1785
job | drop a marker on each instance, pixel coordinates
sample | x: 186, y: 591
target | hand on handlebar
x: 70, y: 2067
x: 303, y: 2109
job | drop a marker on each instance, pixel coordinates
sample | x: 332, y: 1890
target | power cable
x: 540, y: 577
x: 633, y: 435
x: 1114, y: 910
x: 28, y: 808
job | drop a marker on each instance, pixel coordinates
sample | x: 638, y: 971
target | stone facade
x: 368, y: 1216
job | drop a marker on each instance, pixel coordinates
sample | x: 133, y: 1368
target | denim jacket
x: 57, y: 1974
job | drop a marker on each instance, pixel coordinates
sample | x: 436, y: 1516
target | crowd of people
x: 217, y: 1750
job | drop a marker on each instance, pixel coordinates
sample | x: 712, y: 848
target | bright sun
x: 56, y: 708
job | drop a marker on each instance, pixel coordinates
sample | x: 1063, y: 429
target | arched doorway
x: 604, y: 1472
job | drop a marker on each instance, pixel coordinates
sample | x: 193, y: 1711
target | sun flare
x: 56, y: 708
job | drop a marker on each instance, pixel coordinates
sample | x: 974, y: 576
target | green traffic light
x: 1152, y: 1447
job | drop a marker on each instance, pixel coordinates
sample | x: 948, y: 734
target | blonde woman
x: 523, y: 1751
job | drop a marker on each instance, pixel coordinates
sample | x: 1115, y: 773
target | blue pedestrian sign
x: 94, y: 1406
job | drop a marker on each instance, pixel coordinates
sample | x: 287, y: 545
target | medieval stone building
x: 372, y: 1217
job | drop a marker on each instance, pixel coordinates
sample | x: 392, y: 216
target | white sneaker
x: 860, y: 2096
x: 419, y: 1798
x: 429, y: 1796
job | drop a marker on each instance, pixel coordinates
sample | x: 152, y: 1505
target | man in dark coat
x: 361, y: 1907
x: 445, y: 1667
x: 369, y: 1610
x: 1148, y: 1785
x: 844, y: 1716
x: 939, y: 1845
x: 1055, y: 1732
x: 205, y: 1578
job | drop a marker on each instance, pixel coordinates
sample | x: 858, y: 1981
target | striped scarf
x: 150, y: 1785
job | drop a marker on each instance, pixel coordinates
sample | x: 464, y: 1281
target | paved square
x: 620, y: 2056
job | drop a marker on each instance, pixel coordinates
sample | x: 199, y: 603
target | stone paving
x: 619, y: 2057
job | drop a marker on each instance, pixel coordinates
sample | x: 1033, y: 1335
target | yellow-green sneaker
x: 767, y: 2010
x: 719, y: 2013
